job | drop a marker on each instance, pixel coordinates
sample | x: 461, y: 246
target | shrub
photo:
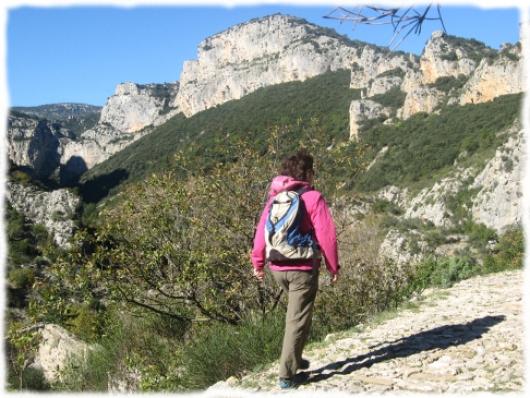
x: 508, y: 252
x: 423, y: 145
x: 440, y: 272
x: 219, y: 351
x: 394, y: 98
x: 21, y: 278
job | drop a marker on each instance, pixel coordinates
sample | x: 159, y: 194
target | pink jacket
x: 319, y: 219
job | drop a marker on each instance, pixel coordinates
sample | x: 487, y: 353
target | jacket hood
x: 286, y: 183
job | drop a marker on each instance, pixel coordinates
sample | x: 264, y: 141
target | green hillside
x: 325, y: 98
x: 420, y: 148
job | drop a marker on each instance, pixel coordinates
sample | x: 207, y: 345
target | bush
x: 424, y: 145
x: 219, y: 351
x: 366, y: 283
x: 21, y: 278
x: 135, y: 350
x: 440, y: 272
x: 508, y: 252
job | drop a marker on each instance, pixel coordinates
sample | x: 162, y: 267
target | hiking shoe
x: 304, y: 364
x: 286, y: 383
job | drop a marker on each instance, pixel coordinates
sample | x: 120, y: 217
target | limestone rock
x: 53, y: 209
x: 503, y: 75
x: 136, y: 106
x: 362, y: 110
x: 430, y: 203
x: 445, y: 55
x: 94, y: 146
x: 57, y: 348
x: 420, y: 99
x: 404, y: 248
x: 394, y: 194
x: 270, y: 50
x: 373, y: 64
x: 381, y: 85
x: 498, y: 204
x: 31, y: 142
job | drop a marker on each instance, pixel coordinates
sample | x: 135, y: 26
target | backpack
x: 284, y: 241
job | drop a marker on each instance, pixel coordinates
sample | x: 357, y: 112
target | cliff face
x: 135, y: 106
x: 54, y: 210
x: 498, y: 203
x: 502, y: 75
x: 47, y: 148
x: 451, y: 70
x: 256, y: 54
x: 33, y: 143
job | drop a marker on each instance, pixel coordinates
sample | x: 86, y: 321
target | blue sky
x: 79, y: 54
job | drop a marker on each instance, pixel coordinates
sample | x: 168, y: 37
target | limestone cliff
x: 32, y: 143
x: 492, y: 78
x: 498, y: 204
x: 136, y: 106
x: 262, y: 52
x: 54, y: 210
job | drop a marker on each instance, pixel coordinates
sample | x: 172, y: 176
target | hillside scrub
x: 423, y: 145
x: 294, y: 105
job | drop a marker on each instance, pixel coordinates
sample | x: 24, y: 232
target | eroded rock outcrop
x: 404, y: 248
x: 430, y: 204
x: 136, y: 106
x: 270, y: 50
x: 53, y: 209
x: 492, y: 78
x: 498, y: 203
x: 57, y: 350
x: 362, y: 110
x: 33, y: 143
x: 446, y: 55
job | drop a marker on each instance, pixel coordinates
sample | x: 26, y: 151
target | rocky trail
x: 462, y: 339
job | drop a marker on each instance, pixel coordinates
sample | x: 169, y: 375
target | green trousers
x: 301, y: 288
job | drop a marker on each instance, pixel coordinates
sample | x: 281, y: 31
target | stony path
x: 465, y: 338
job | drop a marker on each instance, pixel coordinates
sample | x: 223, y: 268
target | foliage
x: 20, y: 348
x: 474, y: 49
x: 448, y: 83
x: 219, y: 351
x: 394, y: 98
x: 21, y: 278
x: 508, y: 253
x: 290, y: 106
x: 385, y: 206
x: 367, y: 283
x: 25, y: 239
x: 440, y: 272
x: 425, y: 144
x: 141, y: 351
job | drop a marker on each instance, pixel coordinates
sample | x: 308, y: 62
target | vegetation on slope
x: 161, y: 279
x: 289, y: 106
x: 425, y: 144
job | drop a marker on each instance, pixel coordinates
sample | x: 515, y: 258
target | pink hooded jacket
x: 319, y: 220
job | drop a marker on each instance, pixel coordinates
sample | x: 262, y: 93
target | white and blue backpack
x: 284, y: 241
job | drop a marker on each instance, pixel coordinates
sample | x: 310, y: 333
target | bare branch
x: 369, y: 15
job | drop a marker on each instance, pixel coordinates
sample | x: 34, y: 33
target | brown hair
x: 298, y: 165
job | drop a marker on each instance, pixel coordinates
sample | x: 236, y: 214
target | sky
x: 79, y: 54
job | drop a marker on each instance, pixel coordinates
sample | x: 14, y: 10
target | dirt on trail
x: 465, y: 338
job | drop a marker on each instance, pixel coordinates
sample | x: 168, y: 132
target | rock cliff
x: 33, y: 143
x: 262, y: 52
x: 498, y: 203
x: 136, y: 106
x: 54, y: 210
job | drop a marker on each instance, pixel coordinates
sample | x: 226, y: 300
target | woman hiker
x: 294, y: 231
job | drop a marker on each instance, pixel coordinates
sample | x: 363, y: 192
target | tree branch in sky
x: 403, y: 21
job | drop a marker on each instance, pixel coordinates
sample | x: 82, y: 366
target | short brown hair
x: 298, y: 165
